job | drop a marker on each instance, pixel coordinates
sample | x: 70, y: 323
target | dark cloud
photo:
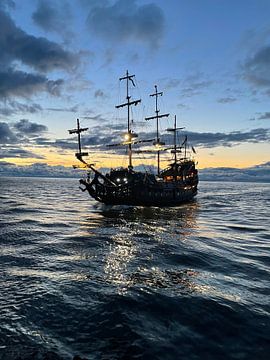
x: 5, y: 163
x: 7, y: 4
x: 258, y: 173
x: 125, y: 20
x: 12, y: 107
x: 46, y: 16
x: 37, y: 52
x: 256, y: 68
x: 65, y: 144
x: 26, y: 127
x: 49, y: 15
x: 20, y: 83
x: 183, y: 106
x: 6, y: 135
x: 11, y: 140
x: 38, y: 169
x: 72, y: 109
x: 195, y: 88
x: 172, y: 83
x: 42, y: 55
x: 264, y: 116
x: 18, y: 153
x: 100, y: 136
x: 98, y: 118
x: 226, y: 100
x: 99, y: 94
x: 191, y: 85
x: 233, y: 138
x: 211, y: 140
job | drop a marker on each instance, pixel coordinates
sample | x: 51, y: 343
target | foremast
x: 156, y: 117
x: 79, y: 155
x: 129, y: 136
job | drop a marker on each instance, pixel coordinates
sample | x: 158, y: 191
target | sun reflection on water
x: 137, y: 236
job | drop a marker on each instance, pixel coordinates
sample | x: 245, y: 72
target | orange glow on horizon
x: 242, y: 156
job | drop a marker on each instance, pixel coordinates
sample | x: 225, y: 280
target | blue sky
x: 62, y: 59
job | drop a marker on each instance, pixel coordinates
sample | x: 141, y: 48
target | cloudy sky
x: 62, y: 59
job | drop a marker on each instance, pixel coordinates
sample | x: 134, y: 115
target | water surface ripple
x: 190, y: 282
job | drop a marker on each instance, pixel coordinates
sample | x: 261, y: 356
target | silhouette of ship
x: 174, y: 185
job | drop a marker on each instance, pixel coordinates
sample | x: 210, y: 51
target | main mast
x: 157, y: 117
x: 128, y: 104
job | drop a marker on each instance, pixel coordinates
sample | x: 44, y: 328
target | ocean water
x: 79, y: 278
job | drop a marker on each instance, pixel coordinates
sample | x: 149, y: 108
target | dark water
x: 191, y: 282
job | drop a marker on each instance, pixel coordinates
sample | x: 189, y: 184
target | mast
x: 176, y: 148
x: 78, y: 131
x: 157, y: 117
x: 174, y: 140
x: 128, y: 104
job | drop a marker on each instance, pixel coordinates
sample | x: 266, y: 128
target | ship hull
x: 141, y: 195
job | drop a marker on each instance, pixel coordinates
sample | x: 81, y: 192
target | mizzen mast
x: 129, y: 136
x: 175, y: 149
x: 158, y: 116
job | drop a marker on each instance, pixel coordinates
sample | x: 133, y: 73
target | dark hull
x: 163, y: 194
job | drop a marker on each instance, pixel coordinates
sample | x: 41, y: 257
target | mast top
x: 128, y: 77
x: 156, y: 93
x: 78, y: 130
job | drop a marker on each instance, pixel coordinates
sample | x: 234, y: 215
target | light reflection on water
x: 74, y: 270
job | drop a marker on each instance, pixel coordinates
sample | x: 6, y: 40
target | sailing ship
x: 172, y: 186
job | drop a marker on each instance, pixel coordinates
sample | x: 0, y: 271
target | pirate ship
x: 174, y: 185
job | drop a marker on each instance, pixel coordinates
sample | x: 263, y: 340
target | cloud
x: 54, y: 16
x: 65, y: 144
x: 72, y: 109
x: 37, y: 169
x: 7, y: 4
x: 6, y: 135
x: 12, y: 107
x: 99, y: 94
x: 257, y: 173
x: 19, y: 48
x: 100, y: 136
x: 209, y: 140
x: 12, y: 139
x: 20, y: 83
x: 264, y: 116
x: 26, y: 127
x: 195, y: 88
x: 21, y: 133
x: 126, y: 21
x: 256, y: 68
x: 172, y: 83
x: 37, y: 52
x: 18, y: 153
x: 98, y: 118
x: 226, y: 100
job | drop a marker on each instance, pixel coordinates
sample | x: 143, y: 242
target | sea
x: 80, y: 280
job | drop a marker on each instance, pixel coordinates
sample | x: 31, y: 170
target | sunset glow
x: 210, y: 60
